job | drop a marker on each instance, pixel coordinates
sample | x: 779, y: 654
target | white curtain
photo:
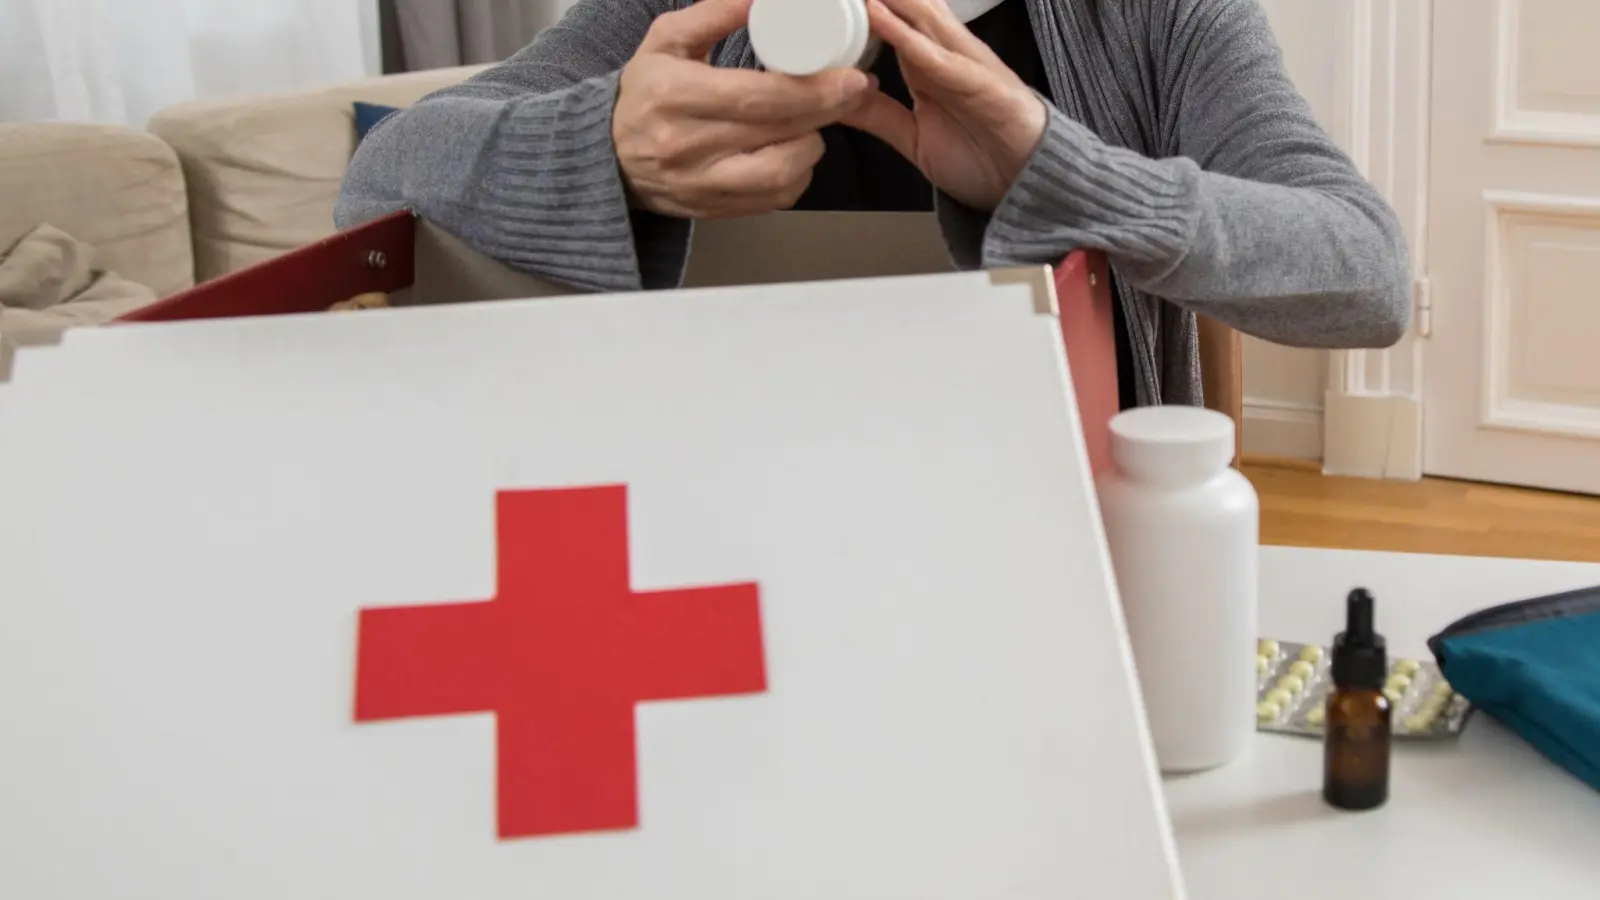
x: 435, y: 34
x: 122, y: 60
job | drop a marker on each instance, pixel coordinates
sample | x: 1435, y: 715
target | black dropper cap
x: 1360, y: 659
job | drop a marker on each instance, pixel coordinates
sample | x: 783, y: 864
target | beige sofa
x: 211, y: 187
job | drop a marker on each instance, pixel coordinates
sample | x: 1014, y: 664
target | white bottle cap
x: 804, y: 37
x: 1172, y: 444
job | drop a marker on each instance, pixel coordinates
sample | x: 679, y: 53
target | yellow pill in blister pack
x: 1261, y: 665
x: 1442, y: 689
x: 1302, y: 669
x: 1393, y: 695
x: 1407, y: 667
x: 1294, y: 684
x: 1316, y: 715
x: 1398, y: 682
x: 1267, y: 711
x: 1311, y: 653
x: 1267, y: 648
x: 1280, y: 697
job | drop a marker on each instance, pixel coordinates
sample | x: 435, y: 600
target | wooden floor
x: 1303, y: 508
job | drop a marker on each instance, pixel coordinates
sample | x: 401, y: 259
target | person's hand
x: 974, y: 124
x: 700, y: 142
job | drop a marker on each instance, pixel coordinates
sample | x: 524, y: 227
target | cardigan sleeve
x: 519, y: 162
x: 1257, y: 219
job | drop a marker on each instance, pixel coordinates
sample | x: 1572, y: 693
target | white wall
x: 120, y: 61
x: 1284, y: 386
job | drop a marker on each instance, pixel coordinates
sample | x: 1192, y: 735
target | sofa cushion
x: 264, y: 171
x: 117, y: 190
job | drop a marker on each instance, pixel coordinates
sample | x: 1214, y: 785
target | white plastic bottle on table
x: 1184, y: 530
x: 804, y: 37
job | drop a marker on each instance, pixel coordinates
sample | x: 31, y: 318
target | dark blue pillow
x: 368, y: 115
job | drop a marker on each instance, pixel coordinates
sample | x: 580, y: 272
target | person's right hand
x: 700, y: 142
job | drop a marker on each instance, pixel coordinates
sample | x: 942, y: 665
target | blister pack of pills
x: 1293, y: 682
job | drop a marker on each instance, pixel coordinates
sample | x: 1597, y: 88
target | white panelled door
x: 1513, y: 383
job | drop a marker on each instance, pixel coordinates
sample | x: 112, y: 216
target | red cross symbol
x: 561, y: 656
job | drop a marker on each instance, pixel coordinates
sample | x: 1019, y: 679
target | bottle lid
x: 1360, y: 658
x: 1172, y: 444
x: 804, y: 37
x: 968, y: 10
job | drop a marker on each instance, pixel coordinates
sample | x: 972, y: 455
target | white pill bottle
x: 804, y: 37
x: 1184, y: 529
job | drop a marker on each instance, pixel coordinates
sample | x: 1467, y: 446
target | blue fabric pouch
x: 1535, y: 666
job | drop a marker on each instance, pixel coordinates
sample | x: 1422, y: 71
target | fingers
x: 948, y: 68
x: 681, y: 113
x: 773, y: 177
x: 704, y: 142
x: 887, y: 119
x: 772, y: 170
x: 934, y: 19
x: 691, y: 33
x: 764, y: 98
x: 714, y: 140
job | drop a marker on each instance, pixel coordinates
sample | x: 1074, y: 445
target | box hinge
x: 1422, y: 295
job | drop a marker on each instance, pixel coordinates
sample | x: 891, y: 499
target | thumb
x: 690, y: 33
x: 888, y: 120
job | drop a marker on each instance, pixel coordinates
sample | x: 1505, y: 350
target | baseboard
x: 1285, y: 430
x: 1373, y: 436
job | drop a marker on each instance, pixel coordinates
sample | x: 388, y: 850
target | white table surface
x: 1485, y: 816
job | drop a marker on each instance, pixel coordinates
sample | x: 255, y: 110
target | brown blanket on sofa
x: 48, y: 283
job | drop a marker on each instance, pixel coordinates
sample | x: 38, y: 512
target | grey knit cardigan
x: 1177, y: 145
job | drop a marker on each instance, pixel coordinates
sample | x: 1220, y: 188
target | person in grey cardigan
x: 1165, y: 133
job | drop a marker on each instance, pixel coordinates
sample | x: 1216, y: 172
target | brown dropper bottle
x: 1358, y: 736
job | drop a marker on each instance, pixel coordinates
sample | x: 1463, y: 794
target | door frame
x: 1373, y: 406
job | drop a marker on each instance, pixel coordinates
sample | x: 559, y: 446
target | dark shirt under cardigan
x: 861, y: 173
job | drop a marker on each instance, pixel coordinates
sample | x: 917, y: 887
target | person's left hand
x: 974, y: 123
